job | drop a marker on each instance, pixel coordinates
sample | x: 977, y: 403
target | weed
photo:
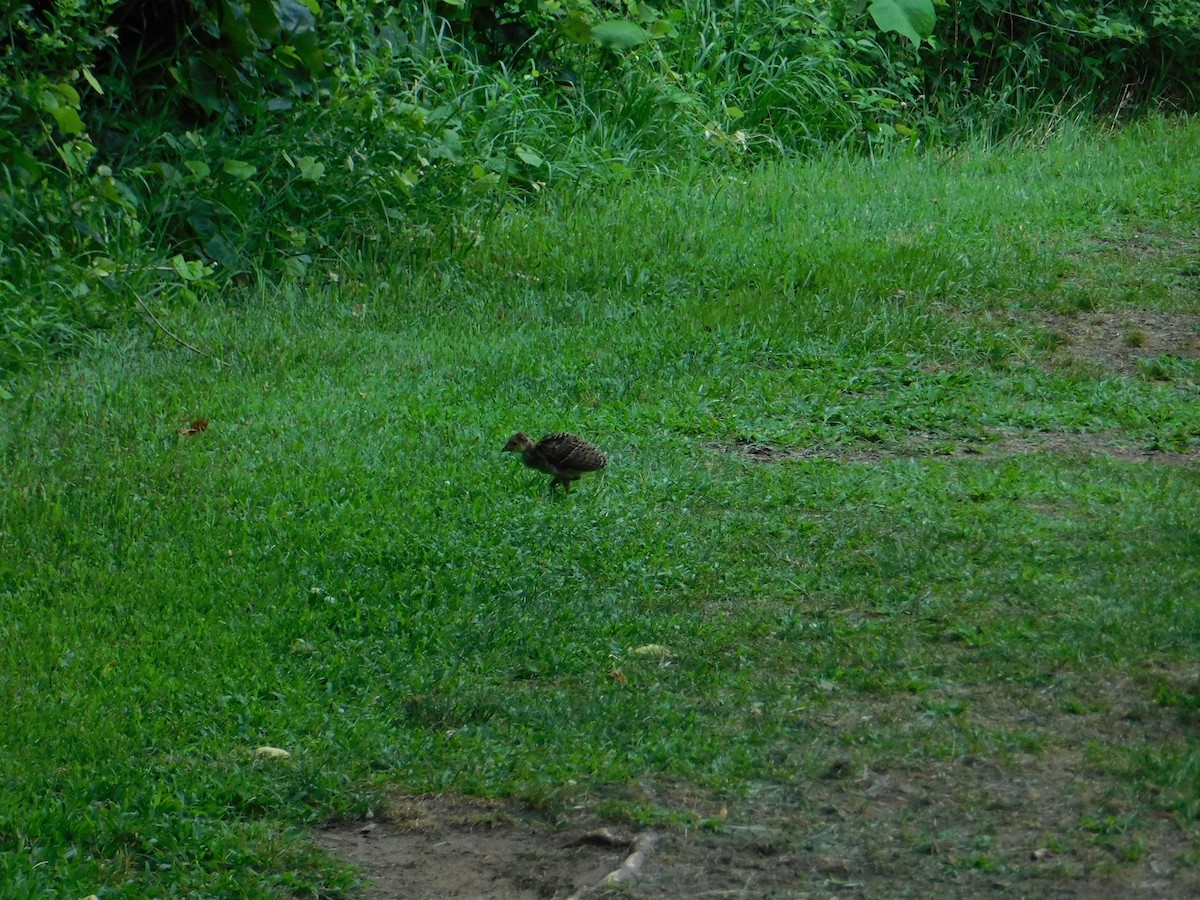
x: 1135, y: 338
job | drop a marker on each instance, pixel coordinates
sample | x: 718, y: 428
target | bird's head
x: 518, y: 443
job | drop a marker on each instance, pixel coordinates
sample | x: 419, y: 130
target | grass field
x: 902, y: 495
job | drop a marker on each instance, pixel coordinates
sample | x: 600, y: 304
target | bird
x: 564, y: 455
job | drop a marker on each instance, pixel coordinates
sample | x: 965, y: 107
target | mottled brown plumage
x: 565, y: 456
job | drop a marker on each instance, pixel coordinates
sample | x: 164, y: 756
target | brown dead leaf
x: 196, y: 426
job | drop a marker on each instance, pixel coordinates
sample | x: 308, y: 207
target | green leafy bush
x: 144, y: 139
x: 1105, y: 54
x: 261, y: 136
x: 57, y: 203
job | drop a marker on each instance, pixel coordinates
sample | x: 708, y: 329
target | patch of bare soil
x: 438, y: 847
x: 996, y: 445
x: 1116, y: 341
x: 1160, y: 248
x: 1055, y: 821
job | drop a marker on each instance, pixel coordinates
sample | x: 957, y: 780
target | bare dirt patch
x: 1161, y: 248
x: 1059, y: 818
x: 440, y: 847
x: 993, y: 445
x: 1119, y: 341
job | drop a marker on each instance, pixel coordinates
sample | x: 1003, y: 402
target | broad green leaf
x: 576, y: 28
x: 102, y: 266
x: 528, y: 157
x: 912, y: 18
x: 167, y: 172
x: 620, y: 169
x: 183, y: 268
x: 91, y: 79
x: 310, y: 169
x: 48, y: 100
x: 27, y: 165
x: 238, y: 169
x: 619, y: 34
x: 5, y: 394
x: 205, y: 85
x: 265, y: 19
x: 197, y: 167
x: 236, y: 26
x: 204, y: 227
x: 297, y: 266
x: 221, y: 251
x: 734, y: 112
x: 287, y: 55
x: 307, y: 47
x: 486, y: 181
x: 115, y: 191
x: 68, y: 120
x: 69, y: 94
x: 237, y: 202
x: 77, y: 154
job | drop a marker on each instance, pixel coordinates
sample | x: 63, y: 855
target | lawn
x: 899, y: 521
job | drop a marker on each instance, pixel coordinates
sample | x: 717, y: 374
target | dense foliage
x: 1001, y: 57
x: 150, y: 148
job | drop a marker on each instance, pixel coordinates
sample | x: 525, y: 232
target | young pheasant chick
x: 565, y: 456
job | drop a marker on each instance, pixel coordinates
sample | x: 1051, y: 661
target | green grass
x: 344, y: 565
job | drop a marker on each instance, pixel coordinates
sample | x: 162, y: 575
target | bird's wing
x: 571, y: 452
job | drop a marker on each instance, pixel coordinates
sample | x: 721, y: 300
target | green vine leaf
x: 68, y: 120
x: 530, y: 158
x: 577, y: 28
x: 619, y: 34
x: 238, y: 169
x: 912, y: 18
